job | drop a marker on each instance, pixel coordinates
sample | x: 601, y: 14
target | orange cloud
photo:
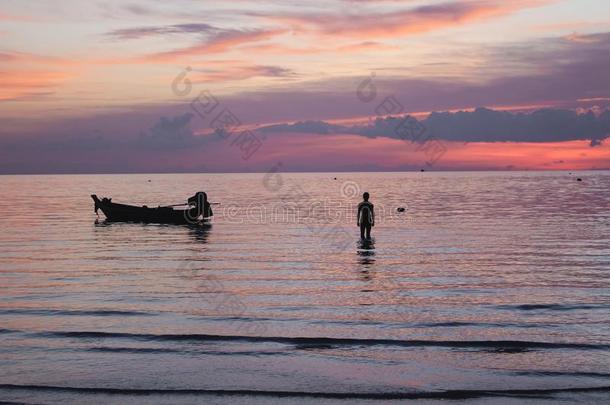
x: 18, y: 18
x: 8, y: 17
x: 23, y: 83
x: 228, y: 72
x: 583, y: 39
x: 413, y: 21
x: 359, y: 47
x: 277, y: 49
x: 220, y: 43
x: 366, y: 46
x: 29, y: 75
x: 27, y: 58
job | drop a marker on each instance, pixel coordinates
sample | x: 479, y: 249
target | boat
x: 197, y: 210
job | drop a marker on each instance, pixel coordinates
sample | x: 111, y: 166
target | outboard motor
x: 199, y: 199
x: 96, y: 202
x: 200, y: 205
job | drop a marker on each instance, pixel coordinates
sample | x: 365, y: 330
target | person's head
x: 365, y: 196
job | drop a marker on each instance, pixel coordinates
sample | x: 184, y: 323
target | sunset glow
x: 80, y: 81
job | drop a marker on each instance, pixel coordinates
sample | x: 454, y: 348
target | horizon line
x: 302, y: 171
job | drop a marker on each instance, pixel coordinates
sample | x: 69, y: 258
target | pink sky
x: 89, y: 86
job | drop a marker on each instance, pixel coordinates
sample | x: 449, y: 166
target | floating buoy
x: 422, y: 170
x: 579, y: 179
x: 400, y: 209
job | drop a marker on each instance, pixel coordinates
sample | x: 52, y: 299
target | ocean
x: 490, y: 287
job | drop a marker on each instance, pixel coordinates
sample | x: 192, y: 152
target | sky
x: 333, y: 85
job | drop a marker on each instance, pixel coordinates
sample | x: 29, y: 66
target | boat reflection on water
x: 199, y: 231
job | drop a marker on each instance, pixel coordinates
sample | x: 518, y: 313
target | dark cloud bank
x: 480, y: 125
x: 170, y: 140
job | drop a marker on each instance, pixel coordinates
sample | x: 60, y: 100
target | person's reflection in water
x: 366, y: 256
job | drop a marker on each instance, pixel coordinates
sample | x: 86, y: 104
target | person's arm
x: 373, y: 214
x: 358, y: 215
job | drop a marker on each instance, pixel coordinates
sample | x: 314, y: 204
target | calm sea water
x: 489, y: 288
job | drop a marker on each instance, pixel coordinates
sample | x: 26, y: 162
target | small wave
x: 458, y: 324
x: 331, y: 342
x: 132, y: 350
x: 448, y: 324
x: 66, y: 312
x: 545, y: 373
x: 551, y: 307
x: 448, y: 394
x: 141, y: 350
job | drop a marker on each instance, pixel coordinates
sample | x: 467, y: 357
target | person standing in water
x: 366, y: 217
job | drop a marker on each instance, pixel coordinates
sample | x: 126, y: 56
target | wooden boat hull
x: 161, y: 215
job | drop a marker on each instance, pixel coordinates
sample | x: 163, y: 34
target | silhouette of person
x: 366, y: 217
